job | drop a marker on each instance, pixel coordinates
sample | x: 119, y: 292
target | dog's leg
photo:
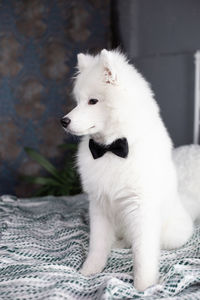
x: 101, y: 239
x: 177, y: 229
x: 146, y: 249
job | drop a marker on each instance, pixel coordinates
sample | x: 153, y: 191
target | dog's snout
x: 65, y: 121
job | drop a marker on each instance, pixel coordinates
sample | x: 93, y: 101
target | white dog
x: 126, y: 166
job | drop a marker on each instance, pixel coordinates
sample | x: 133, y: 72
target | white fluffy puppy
x: 126, y: 166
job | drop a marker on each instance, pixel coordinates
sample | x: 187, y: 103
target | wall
x: 161, y: 38
x: 39, y: 41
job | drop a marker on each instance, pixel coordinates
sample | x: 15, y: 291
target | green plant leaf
x: 59, y: 182
x: 43, y: 191
x: 72, y: 147
x: 42, y: 161
x: 42, y: 180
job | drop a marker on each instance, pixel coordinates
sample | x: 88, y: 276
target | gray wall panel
x: 171, y: 78
x: 161, y: 37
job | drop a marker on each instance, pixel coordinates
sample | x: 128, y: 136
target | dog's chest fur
x: 104, y: 173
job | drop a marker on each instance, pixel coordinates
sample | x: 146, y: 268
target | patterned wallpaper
x: 39, y: 40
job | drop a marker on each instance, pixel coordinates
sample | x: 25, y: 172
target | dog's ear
x: 83, y: 61
x: 110, y: 75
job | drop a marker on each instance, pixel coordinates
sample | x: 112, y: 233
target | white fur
x: 134, y: 198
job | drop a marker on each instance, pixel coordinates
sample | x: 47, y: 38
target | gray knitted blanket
x: 44, y: 241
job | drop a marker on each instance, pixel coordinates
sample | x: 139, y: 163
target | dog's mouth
x: 79, y: 133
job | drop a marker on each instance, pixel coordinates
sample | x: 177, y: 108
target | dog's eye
x: 92, y: 101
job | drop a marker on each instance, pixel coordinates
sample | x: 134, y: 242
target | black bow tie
x: 118, y: 147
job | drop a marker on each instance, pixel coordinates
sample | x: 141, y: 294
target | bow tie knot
x: 119, y: 147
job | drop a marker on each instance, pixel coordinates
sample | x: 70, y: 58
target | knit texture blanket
x: 44, y: 241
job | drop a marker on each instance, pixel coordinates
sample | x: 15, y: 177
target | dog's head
x: 95, y: 83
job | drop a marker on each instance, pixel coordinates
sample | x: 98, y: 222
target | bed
x: 44, y: 241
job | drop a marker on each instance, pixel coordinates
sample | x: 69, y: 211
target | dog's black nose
x: 65, y: 121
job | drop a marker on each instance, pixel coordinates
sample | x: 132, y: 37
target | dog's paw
x: 142, y: 285
x: 91, y: 268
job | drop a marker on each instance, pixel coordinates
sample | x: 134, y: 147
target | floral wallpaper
x: 39, y: 41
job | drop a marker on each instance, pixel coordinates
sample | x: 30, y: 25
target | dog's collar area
x: 119, y: 147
